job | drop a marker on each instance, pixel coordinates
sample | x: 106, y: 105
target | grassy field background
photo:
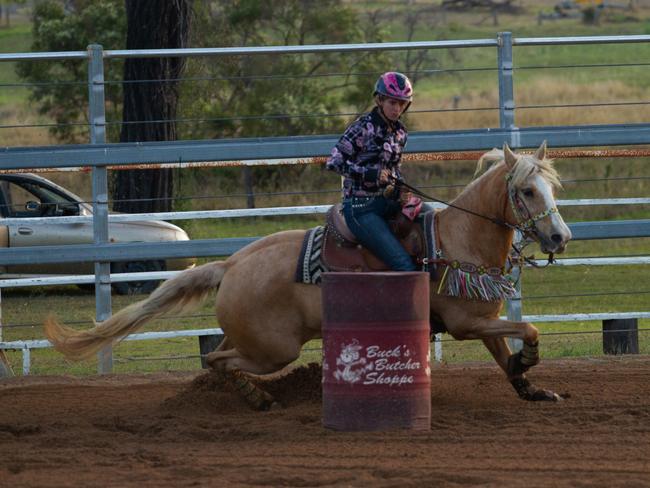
x: 544, y: 75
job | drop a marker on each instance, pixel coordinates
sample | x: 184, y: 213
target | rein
x: 526, y: 226
x: 420, y: 193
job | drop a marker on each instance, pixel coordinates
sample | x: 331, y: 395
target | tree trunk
x: 150, y: 106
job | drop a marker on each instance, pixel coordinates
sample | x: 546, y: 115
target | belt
x: 368, y: 194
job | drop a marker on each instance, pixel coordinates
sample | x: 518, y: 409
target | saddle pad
x: 310, y: 266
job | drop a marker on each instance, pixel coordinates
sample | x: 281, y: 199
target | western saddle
x: 342, y: 252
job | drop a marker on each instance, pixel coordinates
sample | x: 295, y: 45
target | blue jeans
x: 366, y: 218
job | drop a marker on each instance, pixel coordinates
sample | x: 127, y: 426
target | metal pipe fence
x: 101, y: 156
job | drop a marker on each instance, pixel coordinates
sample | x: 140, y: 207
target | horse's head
x: 531, y: 186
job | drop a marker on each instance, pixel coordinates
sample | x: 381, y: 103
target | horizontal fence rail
x: 165, y: 275
x: 273, y: 212
x: 279, y: 148
x: 225, y: 247
x: 26, y: 346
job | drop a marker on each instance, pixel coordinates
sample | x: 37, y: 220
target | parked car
x: 28, y: 195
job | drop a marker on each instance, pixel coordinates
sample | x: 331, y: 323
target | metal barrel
x: 376, y: 373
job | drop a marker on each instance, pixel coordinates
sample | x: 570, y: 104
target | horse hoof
x: 527, y: 391
x: 275, y: 406
x: 545, y: 396
x: 268, y: 406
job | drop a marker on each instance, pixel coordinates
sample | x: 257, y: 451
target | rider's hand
x: 404, y: 197
x: 385, y: 176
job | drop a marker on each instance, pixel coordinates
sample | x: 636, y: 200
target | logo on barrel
x: 374, y: 365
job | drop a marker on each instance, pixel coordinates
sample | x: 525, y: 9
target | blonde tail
x: 182, y: 292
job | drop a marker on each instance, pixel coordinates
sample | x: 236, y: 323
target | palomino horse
x: 267, y: 316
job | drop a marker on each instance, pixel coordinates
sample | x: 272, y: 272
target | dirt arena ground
x: 177, y: 429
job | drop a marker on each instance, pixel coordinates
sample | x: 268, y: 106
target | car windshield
x: 20, y: 196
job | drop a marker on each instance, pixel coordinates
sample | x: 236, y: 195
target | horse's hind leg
x: 257, y: 398
x: 231, y: 366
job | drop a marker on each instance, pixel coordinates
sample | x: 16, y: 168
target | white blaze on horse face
x: 554, y: 234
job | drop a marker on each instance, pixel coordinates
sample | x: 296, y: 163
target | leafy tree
x: 61, y: 86
x: 241, y: 87
x: 275, y: 95
x: 296, y: 93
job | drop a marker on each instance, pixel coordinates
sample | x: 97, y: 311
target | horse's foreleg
x: 493, y: 332
x: 499, y: 349
x: 485, y: 328
x: 523, y: 360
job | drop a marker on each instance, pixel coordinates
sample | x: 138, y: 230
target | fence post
x: 5, y: 366
x: 507, y: 121
x: 97, y: 118
x: 27, y: 360
x: 506, y: 86
x: 207, y: 344
x: 513, y: 306
x: 620, y: 336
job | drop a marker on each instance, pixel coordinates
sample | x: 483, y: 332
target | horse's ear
x: 509, y: 156
x: 540, y: 154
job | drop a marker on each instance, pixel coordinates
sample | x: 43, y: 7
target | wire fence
x: 336, y: 191
x: 422, y: 74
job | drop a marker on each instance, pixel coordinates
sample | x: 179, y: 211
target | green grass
x: 14, y: 39
x: 17, y: 38
x: 247, y: 227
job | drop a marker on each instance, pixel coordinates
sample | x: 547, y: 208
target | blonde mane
x: 526, y: 165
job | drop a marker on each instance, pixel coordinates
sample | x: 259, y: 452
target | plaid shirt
x: 366, y: 147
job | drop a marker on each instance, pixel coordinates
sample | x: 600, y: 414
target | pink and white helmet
x: 394, y: 85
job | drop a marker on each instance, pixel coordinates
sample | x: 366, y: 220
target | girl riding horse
x: 368, y: 157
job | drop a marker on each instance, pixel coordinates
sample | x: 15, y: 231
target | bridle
x: 526, y: 223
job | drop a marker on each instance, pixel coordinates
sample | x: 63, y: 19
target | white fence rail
x: 269, y: 212
x: 27, y: 346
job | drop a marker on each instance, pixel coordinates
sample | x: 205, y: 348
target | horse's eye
x: 528, y: 192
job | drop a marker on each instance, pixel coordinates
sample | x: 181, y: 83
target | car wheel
x: 136, y: 287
